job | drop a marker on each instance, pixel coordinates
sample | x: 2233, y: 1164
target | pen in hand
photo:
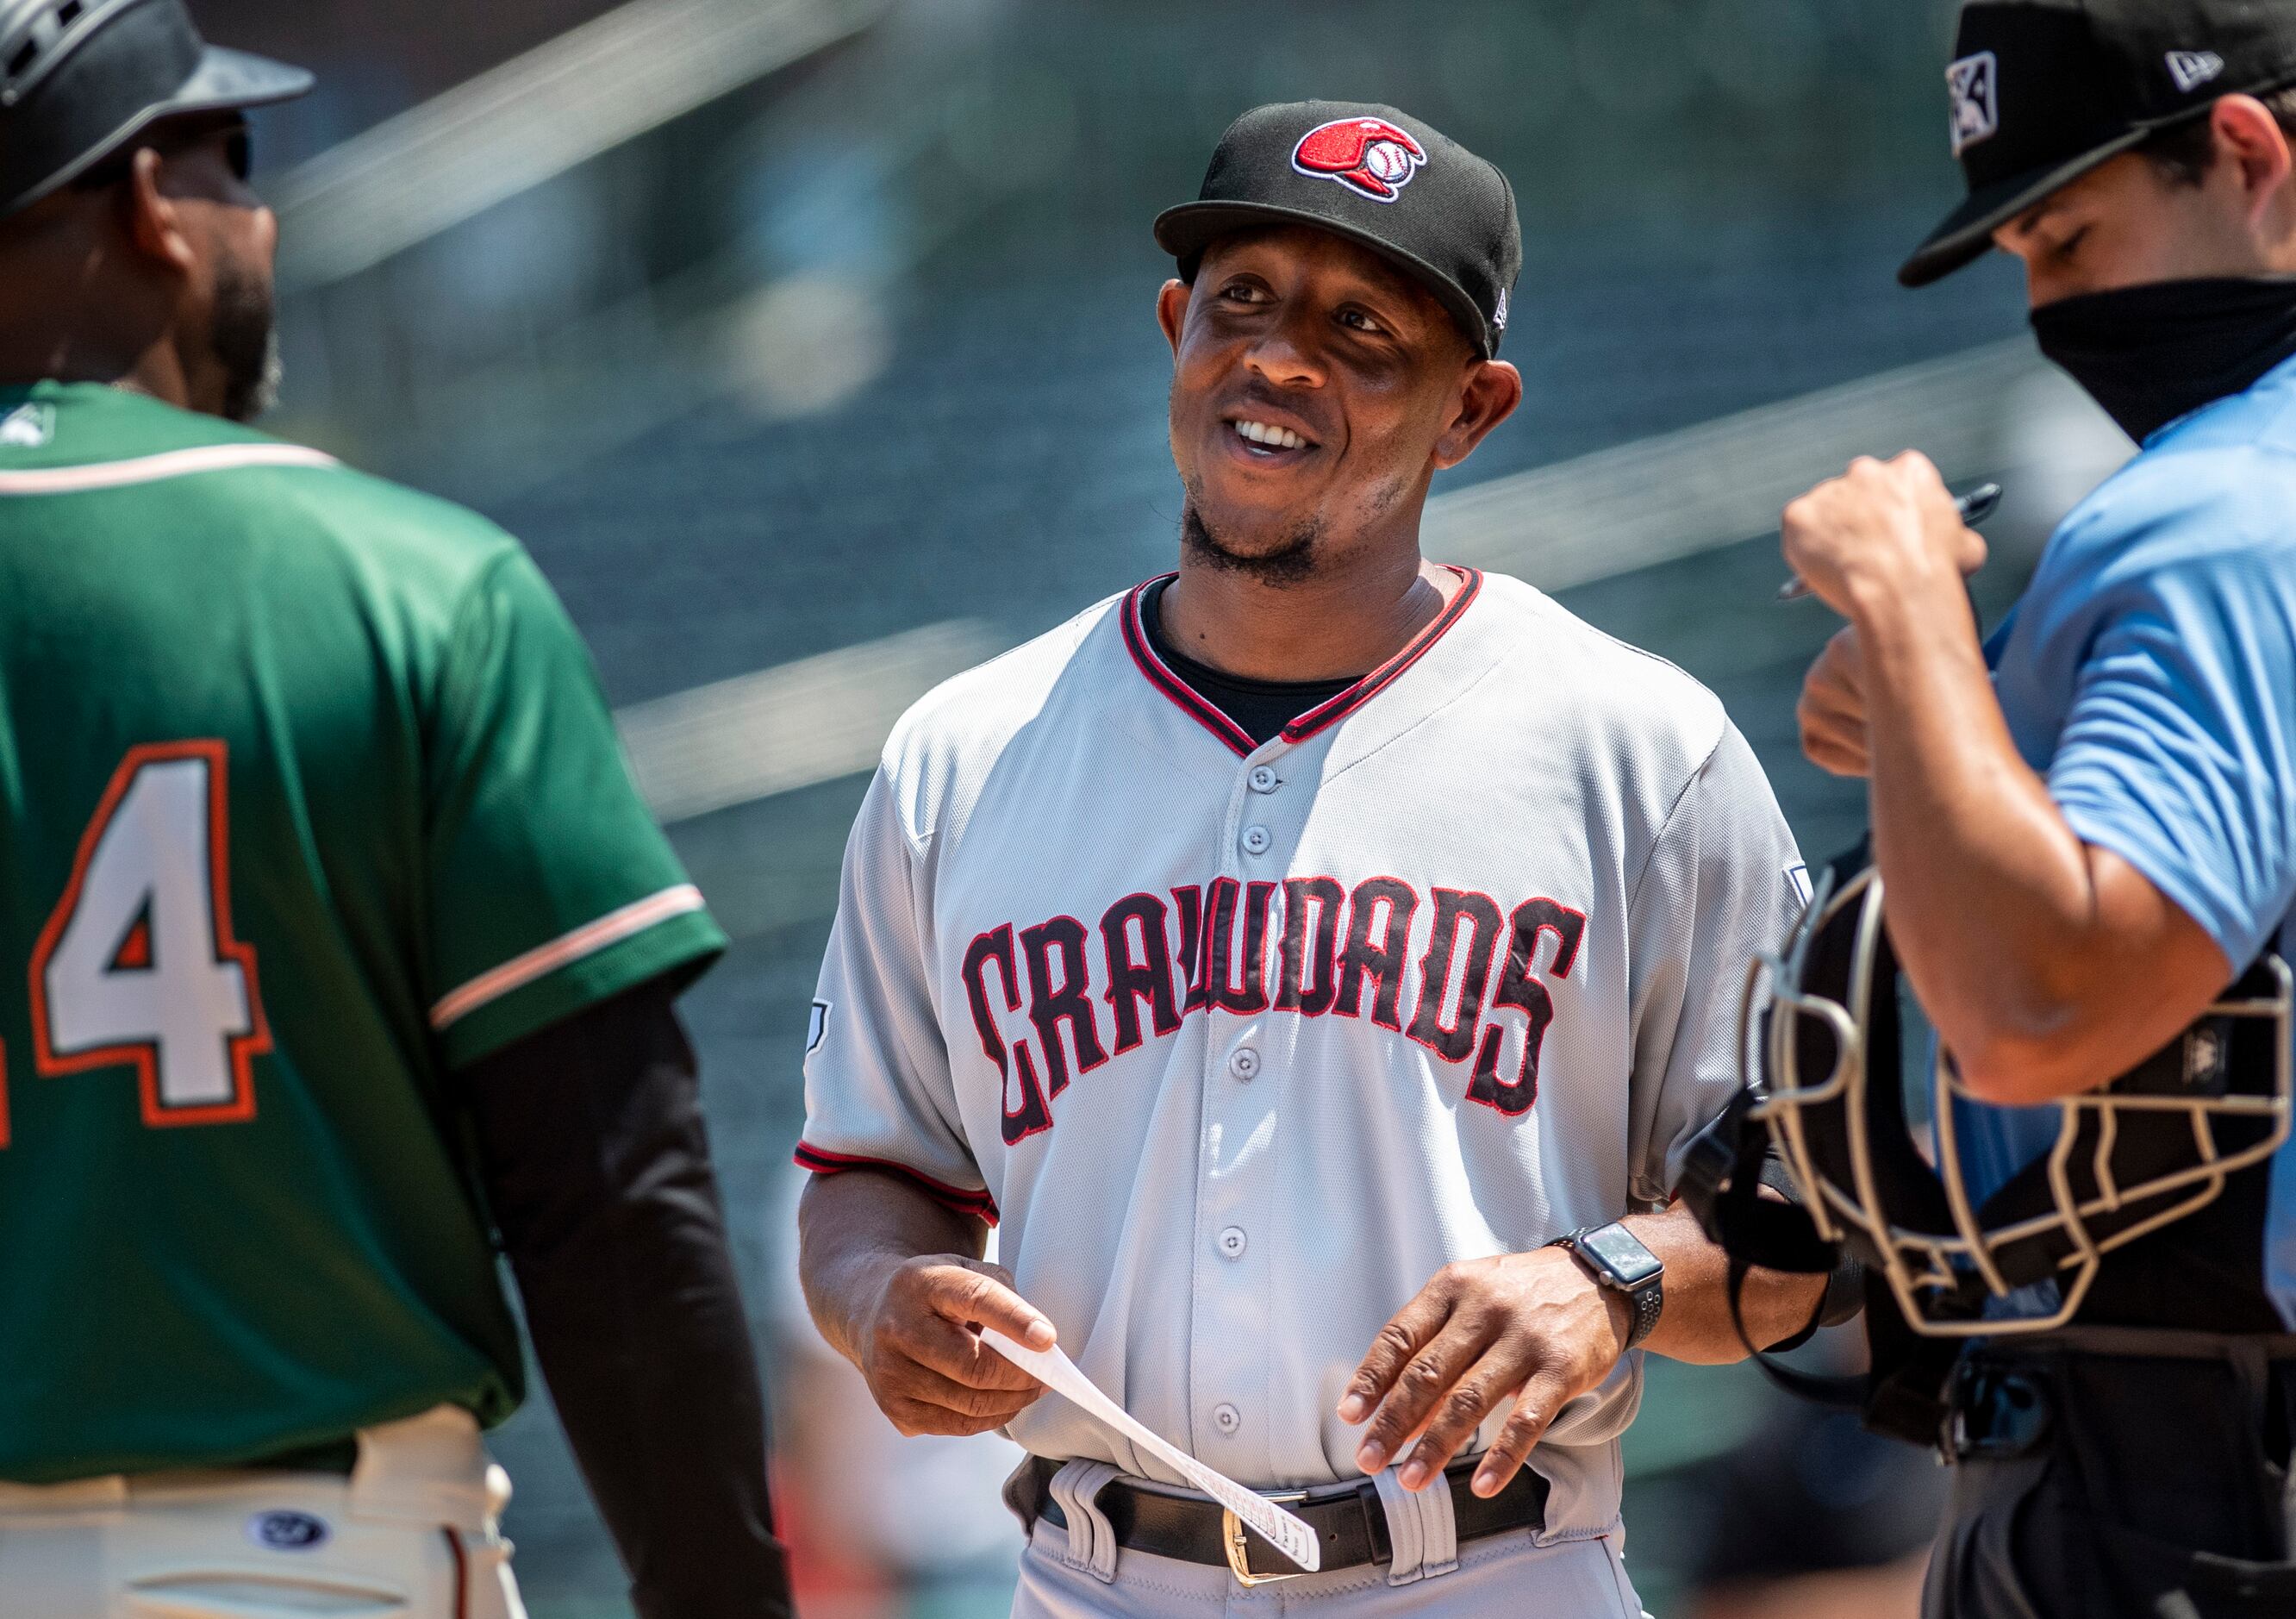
x: 1974, y: 508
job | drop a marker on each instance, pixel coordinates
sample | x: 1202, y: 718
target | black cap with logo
x: 1377, y: 177
x: 81, y: 78
x: 2043, y: 91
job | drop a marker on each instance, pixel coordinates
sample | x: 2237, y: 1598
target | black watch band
x: 1617, y: 1259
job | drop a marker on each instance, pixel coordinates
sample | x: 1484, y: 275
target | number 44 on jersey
x: 138, y: 964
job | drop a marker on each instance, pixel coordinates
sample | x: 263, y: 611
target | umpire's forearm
x: 1695, y: 1324
x: 855, y: 1229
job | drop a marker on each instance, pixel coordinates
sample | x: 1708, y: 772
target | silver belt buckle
x: 1238, y: 1548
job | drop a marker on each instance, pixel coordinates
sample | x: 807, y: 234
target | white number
x: 138, y: 964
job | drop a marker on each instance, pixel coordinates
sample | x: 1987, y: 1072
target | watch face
x: 1622, y: 1255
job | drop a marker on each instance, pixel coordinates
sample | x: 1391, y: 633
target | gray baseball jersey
x: 1243, y: 1043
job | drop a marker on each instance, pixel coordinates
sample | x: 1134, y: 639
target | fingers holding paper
x: 922, y: 1353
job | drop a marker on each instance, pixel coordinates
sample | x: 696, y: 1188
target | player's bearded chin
x: 245, y: 338
x: 1290, y: 558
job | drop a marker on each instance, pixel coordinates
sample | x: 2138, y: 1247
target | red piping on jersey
x: 1324, y: 714
x: 1135, y: 639
x: 824, y: 1162
x: 461, y: 1570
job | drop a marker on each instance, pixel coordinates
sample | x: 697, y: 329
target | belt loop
x: 1420, y: 1526
x: 1092, y: 1539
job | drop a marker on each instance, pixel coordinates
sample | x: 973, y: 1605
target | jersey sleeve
x: 550, y: 886
x: 879, y: 1091
x: 1723, y: 884
x: 2178, y: 752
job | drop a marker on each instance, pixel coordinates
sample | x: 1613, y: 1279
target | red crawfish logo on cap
x: 1369, y: 156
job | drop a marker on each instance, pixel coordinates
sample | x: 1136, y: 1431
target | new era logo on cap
x: 1369, y: 156
x: 2193, y: 68
x: 1975, y: 84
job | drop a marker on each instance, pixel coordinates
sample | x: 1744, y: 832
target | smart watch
x: 1617, y: 1259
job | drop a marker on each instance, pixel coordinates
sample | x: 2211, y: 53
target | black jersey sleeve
x: 594, y: 1156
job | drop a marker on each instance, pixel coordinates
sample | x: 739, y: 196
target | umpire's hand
x: 1534, y: 1326
x: 1832, y: 713
x: 919, y: 1345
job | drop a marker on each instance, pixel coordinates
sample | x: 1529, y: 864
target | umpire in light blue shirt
x: 2087, y: 826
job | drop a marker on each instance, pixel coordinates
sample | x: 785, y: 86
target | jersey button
x: 1232, y: 1242
x: 1262, y: 778
x: 1227, y: 1419
x: 1257, y: 840
x: 1243, y: 1063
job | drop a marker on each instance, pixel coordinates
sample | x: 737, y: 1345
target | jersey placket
x: 1237, y: 1242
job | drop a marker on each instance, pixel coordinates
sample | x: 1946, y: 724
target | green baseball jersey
x: 307, y: 797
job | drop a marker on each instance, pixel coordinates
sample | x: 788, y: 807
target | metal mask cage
x: 1949, y: 1273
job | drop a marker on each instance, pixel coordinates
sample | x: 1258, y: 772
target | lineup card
x: 1284, y: 1531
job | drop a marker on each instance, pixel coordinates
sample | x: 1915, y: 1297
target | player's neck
x: 49, y: 334
x: 1341, y: 621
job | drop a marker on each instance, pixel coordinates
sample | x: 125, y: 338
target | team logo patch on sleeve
x: 1974, y: 83
x: 816, y: 1024
x: 1369, y: 156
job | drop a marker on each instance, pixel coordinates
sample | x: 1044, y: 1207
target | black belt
x: 1350, y: 1525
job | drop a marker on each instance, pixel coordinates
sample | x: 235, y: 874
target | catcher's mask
x: 1862, y: 1113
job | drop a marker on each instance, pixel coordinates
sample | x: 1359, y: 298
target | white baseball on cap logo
x: 2193, y: 68
x: 1974, y: 83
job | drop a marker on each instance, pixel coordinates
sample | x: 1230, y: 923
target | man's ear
x: 2245, y: 130
x: 1172, y: 310
x: 1493, y: 390
x: 155, y: 223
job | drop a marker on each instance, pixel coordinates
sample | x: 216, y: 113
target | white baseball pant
x: 410, y: 1534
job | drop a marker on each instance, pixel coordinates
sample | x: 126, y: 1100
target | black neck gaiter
x: 2151, y: 354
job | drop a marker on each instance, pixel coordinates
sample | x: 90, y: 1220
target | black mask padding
x: 2216, y: 1056
x: 2150, y: 354
x: 1910, y: 1195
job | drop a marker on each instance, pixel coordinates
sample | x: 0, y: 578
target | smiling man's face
x: 1315, y: 389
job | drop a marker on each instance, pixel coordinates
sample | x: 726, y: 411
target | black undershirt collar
x: 1259, y: 708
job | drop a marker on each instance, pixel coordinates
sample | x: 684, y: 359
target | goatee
x: 1292, y: 559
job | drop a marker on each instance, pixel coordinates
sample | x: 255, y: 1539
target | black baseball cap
x: 2043, y: 91
x: 79, y: 79
x: 1377, y: 177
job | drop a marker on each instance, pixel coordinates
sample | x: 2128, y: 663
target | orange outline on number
x: 145, y: 1055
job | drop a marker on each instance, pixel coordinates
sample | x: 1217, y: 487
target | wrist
x: 1890, y: 589
x: 1630, y: 1279
x: 865, y: 1288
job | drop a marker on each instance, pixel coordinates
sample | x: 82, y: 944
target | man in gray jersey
x: 1317, y: 960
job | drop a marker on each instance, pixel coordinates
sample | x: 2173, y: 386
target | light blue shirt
x: 2149, y: 672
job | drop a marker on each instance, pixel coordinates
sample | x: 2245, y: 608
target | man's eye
x: 1359, y: 321
x: 2063, y: 252
x: 1240, y: 293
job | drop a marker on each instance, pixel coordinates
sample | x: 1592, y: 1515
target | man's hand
x: 920, y: 1346
x: 1832, y: 708
x: 1883, y: 529
x: 1535, y: 1326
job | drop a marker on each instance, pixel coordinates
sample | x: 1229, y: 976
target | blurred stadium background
x: 809, y: 344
